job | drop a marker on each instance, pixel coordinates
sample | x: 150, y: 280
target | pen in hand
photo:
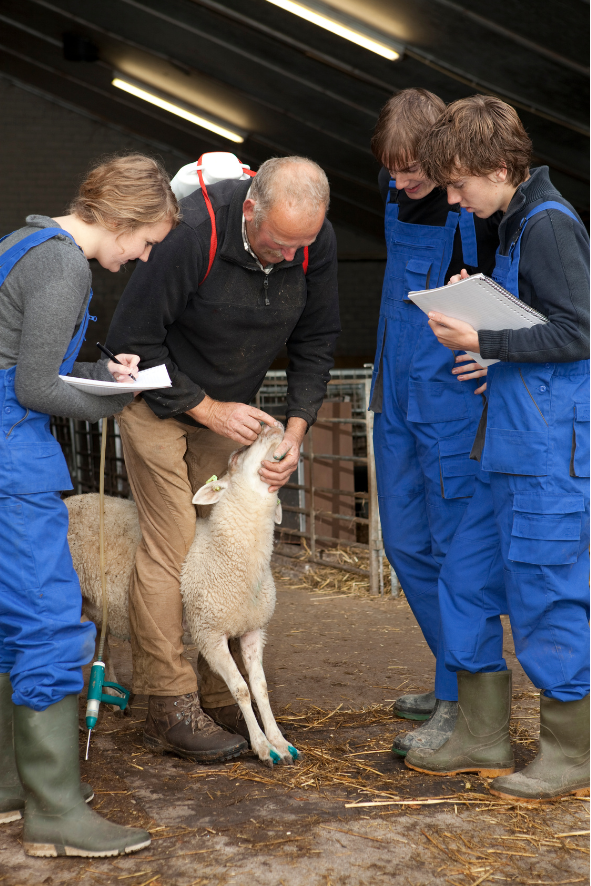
x: 112, y: 357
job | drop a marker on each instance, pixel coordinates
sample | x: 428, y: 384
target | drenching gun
x: 97, y: 674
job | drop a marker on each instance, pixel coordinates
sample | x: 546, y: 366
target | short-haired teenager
x: 533, y: 444
x: 425, y: 418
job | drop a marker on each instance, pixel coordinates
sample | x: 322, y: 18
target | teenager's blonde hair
x: 124, y: 193
x: 476, y: 136
x: 402, y: 123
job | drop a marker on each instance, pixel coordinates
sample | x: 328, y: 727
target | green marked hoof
x: 275, y: 757
x: 293, y: 751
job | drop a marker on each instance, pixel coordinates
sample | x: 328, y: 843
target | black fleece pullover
x: 219, y: 337
x: 553, y: 279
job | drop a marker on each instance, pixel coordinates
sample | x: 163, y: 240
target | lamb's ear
x: 278, y: 512
x: 211, y: 492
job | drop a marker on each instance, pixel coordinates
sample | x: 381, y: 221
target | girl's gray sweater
x: 42, y: 303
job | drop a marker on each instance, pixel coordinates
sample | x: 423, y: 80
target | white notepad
x: 147, y: 380
x: 482, y: 303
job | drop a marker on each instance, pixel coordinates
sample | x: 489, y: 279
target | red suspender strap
x: 305, y: 262
x: 213, y: 245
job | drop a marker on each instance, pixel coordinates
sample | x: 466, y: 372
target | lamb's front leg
x: 219, y: 658
x: 251, y: 646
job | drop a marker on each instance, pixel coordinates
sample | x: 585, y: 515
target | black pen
x: 112, y: 356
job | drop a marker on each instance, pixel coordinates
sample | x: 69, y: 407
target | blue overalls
x: 428, y: 419
x: 533, y: 517
x: 43, y: 645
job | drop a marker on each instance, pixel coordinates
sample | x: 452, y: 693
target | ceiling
x: 297, y: 89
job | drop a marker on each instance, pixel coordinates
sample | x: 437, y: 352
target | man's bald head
x: 295, y: 186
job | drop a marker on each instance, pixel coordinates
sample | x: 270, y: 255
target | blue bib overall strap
x: 425, y: 425
x: 537, y: 452
x: 42, y: 643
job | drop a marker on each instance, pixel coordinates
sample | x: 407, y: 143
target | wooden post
x: 376, y: 573
x: 312, y: 503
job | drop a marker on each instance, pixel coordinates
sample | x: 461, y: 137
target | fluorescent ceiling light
x: 339, y: 23
x: 133, y: 87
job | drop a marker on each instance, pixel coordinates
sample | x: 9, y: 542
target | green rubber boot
x: 12, y: 793
x: 57, y: 820
x: 480, y: 741
x: 562, y: 764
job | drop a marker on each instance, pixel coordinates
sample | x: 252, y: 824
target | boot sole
x: 483, y: 771
x: 535, y: 801
x: 408, y: 716
x: 55, y: 850
x: 161, y: 747
x: 15, y: 815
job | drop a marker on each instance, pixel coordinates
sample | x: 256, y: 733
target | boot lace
x: 189, y: 707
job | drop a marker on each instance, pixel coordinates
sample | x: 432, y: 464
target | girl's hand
x: 463, y: 275
x: 123, y: 373
x: 454, y: 334
x: 472, y: 370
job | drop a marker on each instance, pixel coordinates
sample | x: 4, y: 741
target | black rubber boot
x: 57, y: 820
x: 12, y: 793
x: 562, y: 764
x: 433, y: 733
x: 415, y: 707
x: 480, y: 740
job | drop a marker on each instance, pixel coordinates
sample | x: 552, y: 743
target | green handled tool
x: 97, y: 673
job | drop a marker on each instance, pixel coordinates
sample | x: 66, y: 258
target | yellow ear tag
x: 212, y: 480
x: 217, y: 488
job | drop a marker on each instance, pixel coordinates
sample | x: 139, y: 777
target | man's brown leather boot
x: 176, y: 723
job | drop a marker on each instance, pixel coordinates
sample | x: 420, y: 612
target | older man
x: 217, y: 333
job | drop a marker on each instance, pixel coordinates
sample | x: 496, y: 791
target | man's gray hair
x: 292, y: 182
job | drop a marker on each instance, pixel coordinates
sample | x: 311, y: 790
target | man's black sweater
x: 219, y: 337
x: 553, y: 279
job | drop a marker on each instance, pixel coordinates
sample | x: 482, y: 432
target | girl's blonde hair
x: 124, y: 193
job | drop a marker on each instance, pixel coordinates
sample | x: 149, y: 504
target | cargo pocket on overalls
x: 417, y: 274
x: 579, y: 461
x: 546, y: 528
x: 456, y: 469
x: 38, y: 467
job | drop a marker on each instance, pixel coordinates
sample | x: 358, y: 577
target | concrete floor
x: 243, y: 824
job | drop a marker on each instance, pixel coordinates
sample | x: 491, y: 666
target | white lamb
x: 226, y: 581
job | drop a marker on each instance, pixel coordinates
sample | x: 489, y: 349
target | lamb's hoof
x: 275, y: 756
x: 293, y: 751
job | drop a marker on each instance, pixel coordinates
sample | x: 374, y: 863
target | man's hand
x: 473, y: 370
x: 286, y: 457
x: 454, y: 334
x: 237, y: 421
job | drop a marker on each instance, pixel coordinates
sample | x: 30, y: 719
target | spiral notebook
x: 482, y: 303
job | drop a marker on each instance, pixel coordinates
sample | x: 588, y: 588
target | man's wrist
x: 202, y: 412
x: 297, y: 427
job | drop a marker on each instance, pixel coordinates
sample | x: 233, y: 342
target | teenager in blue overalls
x: 533, y: 444
x: 425, y: 420
x: 123, y: 207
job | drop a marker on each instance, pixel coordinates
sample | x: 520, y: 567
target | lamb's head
x: 243, y: 471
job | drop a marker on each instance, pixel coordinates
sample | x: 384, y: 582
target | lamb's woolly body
x: 226, y: 580
x: 122, y: 535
